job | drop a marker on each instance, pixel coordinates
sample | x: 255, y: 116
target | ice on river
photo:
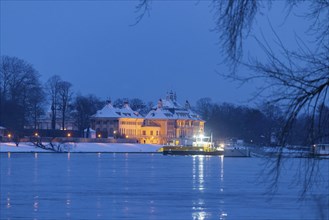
x: 152, y: 186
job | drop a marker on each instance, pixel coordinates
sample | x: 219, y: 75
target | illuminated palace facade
x: 168, y: 121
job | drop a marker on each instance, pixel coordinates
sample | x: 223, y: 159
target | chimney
x: 171, y: 96
x: 187, y: 105
x: 126, y: 104
x: 160, y: 104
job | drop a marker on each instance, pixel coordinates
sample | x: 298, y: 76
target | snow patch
x: 26, y: 147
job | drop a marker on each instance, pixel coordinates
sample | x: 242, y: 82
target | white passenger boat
x: 202, y: 145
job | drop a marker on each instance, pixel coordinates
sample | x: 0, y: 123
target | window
x: 151, y: 132
x: 157, y: 133
x: 144, y: 132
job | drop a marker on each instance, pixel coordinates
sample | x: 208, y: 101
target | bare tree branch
x: 143, y: 7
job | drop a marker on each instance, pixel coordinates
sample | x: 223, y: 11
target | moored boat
x: 321, y: 150
x: 236, y: 151
x: 190, y: 150
x: 202, y: 145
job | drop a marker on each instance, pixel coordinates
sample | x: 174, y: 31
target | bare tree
x: 204, y: 107
x: 84, y: 107
x: 36, y: 105
x: 52, y: 86
x: 64, y: 95
x: 297, y: 80
x: 20, y: 93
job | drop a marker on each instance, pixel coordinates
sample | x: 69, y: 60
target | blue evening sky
x: 93, y: 45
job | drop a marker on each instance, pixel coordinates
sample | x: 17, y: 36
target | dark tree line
x: 261, y: 125
x: 24, y: 99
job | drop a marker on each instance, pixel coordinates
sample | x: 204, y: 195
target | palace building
x: 167, y: 122
x: 117, y: 122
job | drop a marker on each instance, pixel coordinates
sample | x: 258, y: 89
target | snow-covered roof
x: 168, y: 103
x: 159, y: 114
x: 169, y: 108
x: 162, y: 113
x: 109, y: 111
x: 127, y: 112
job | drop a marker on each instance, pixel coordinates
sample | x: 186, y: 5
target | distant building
x: 45, y: 122
x: 168, y: 121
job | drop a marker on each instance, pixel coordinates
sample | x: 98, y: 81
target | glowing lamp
x: 36, y: 134
x: 68, y: 134
x: 99, y: 135
x: 9, y: 135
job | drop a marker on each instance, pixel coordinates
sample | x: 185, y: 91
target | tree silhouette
x: 21, y: 93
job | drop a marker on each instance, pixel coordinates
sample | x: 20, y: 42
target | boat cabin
x: 203, y: 141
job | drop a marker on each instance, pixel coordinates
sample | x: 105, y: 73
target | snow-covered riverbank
x: 26, y: 147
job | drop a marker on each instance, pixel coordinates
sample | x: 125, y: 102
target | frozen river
x: 150, y: 186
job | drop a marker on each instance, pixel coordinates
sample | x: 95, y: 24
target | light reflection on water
x: 8, y: 201
x: 198, y: 181
x: 36, y: 203
x: 139, y: 186
x: 197, y: 171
